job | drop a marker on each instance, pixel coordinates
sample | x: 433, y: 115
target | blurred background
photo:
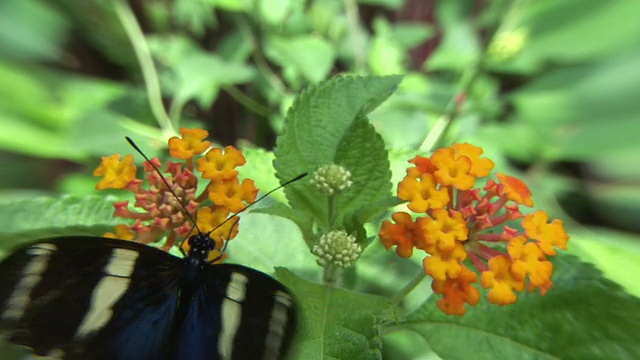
x: 551, y: 92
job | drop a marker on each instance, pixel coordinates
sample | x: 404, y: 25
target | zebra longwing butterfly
x: 99, y: 298
x: 84, y: 297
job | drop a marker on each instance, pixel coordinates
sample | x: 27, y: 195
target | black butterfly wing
x: 237, y: 313
x: 89, y: 298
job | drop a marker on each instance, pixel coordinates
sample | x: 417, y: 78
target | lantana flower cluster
x: 158, y: 214
x: 459, y: 225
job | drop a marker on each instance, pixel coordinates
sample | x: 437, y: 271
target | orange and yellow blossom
x: 158, y: 214
x: 457, y: 224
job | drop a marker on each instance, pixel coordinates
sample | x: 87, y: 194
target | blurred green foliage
x: 549, y: 90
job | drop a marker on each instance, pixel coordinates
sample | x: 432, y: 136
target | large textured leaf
x: 327, y: 125
x: 337, y: 324
x: 584, y: 316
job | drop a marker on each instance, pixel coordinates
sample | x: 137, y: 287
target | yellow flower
x: 455, y: 221
x: 546, y: 234
x: 479, y: 167
x: 122, y: 232
x: 443, y: 265
x: 190, y: 144
x: 216, y: 166
x: 168, y: 197
x: 516, y: 190
x: 232, y: 194
x: 422, y: 193
x: 501, y: 281
x: 529, y: 260
x: 453, y: 170
x: 443, y: 230
x: 115, y: 174
x: 209, y: 220
x: 456, y: 292
x: 404, y: 234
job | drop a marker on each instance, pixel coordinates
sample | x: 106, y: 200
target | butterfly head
x: 200, y: 245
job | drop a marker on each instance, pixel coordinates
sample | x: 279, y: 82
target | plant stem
x: 331, y: 210
x: 434, y: 138
x: 261, y: 62
x: 331, y: 275
x: 246, y: 101
x: 409, y: 287
x: 443, y: 124
x: 141, y: 49
x: 353, y: 16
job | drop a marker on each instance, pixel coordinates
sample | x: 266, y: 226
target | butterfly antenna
x: 226, y: 242
x: 193, y: 221
x: 260, y: 198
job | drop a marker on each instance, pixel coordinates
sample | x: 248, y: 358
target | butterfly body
x: 99, y: 298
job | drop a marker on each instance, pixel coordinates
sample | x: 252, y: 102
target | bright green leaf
x: 319, y: 129
x: 337, y: 324
x: 584, y: 316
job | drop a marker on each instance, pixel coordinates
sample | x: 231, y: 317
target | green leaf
x: 259, y: 168
x: 266, y: 241
x: 410, y: 35
x: 310, y: 55
x: 611, y: 27
x: 32, y: 30
x: 584, y: 316
x: 300, y: 218
x: 593, y: 113
x: 200, y: 75
x: 47, y: 212
x: 233, y: 5
x: 460, y: 46
x: 391, y: 4
x: 46, y: 217
x: 274, y: 12
x: 326, y: 125
x: 336, y: 324
x: 616, y: 253
x: 386, y: 56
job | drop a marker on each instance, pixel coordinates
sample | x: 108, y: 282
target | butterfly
x: 84, y: 297
x: 99, y: 298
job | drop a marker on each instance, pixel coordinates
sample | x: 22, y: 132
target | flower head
x: 331, y: 179
x: 166, y: 203
x: 457, y: 225
x: 116, y: 174
x: 190, y: 144
x: 337, y: 248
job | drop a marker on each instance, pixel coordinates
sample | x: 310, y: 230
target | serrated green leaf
x: 584, y: 316
x: 337, y: 324
x: 326, y: 125
x: 47, y: 212
x: 362, y: 151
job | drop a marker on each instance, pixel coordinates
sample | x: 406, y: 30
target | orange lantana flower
x: 191, y: 144
x: 115, y: 174
x: 455, y: 221
x: 166, y: 203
